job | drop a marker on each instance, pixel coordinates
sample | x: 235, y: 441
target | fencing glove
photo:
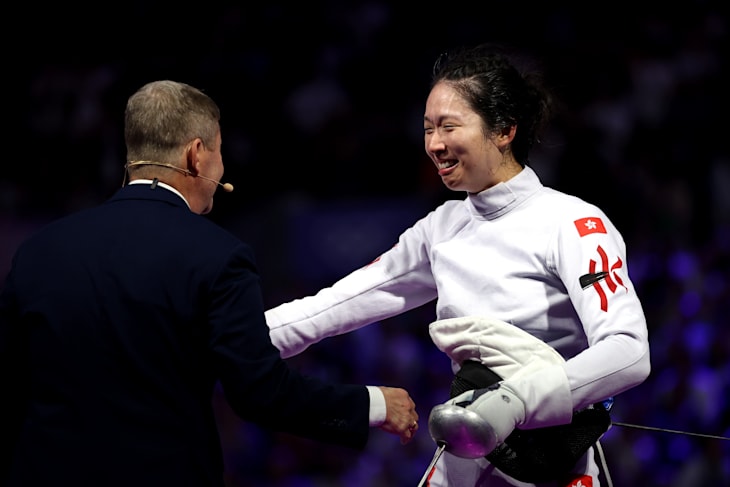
x: 524, y: 423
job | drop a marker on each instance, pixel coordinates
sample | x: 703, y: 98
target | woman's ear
x: 506, y: 135
x: 509, y: 132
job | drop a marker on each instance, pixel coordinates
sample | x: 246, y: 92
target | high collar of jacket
x: 503, y: 197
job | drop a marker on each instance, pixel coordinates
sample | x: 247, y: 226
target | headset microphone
x: 227, y: 187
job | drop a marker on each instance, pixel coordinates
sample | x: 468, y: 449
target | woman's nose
x: 434, y: 143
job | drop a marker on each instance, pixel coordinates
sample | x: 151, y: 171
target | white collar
x: 162, y: 185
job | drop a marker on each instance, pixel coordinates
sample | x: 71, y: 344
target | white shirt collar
x: 162, y: 185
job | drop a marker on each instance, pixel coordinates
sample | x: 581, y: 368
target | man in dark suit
x: 117, y: 322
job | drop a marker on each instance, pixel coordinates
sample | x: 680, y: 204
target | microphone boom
x: 227, y: 187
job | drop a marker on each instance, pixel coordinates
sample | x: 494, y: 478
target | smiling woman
x: 512, y: 252
x: 465, y: 159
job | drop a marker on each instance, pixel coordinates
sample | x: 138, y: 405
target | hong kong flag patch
x: 583, y: 481
x: 589, y: 225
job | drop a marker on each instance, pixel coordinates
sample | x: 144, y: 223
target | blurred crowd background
x: 322, y: 108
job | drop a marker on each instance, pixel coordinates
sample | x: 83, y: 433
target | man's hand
x: 401, y: 417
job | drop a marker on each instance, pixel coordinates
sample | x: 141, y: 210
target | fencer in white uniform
x: 546, y: 262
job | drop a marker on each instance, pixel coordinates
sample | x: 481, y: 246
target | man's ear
x: 192, y: 160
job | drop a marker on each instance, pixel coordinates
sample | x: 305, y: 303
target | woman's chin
x: 452, y: 184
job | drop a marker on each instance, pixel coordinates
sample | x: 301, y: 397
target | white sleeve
x: 397, y: 281
x: 590, y: 259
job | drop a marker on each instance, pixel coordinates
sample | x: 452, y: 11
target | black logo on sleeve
x: 587, y: 280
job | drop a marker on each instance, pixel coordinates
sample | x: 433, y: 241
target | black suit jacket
x: 115, y: 324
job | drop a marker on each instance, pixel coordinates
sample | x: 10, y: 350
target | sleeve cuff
x: 377, y: 406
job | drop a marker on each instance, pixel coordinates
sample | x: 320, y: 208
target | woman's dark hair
x: 500, y: 89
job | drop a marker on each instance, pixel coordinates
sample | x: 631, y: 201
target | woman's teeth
x: 445, y: 164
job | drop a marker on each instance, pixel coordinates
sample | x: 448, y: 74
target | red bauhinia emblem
x: 607, y: 274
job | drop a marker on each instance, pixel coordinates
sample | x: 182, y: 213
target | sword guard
x: 464, y: 432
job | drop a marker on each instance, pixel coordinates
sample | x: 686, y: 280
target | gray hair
x: 162, y: 117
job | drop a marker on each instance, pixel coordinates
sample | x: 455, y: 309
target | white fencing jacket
x: 546, y: 262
